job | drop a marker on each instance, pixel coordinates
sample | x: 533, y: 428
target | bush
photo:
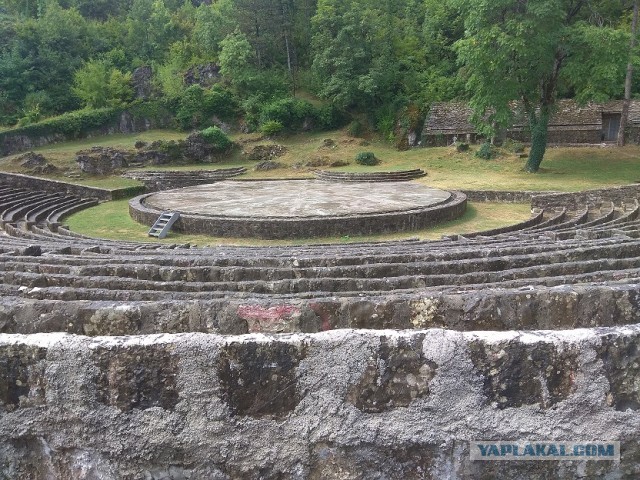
x: 290, y: 112
x: 485, y: 151
x: 385, y: 121
x: 513, y: 146
x: 271, y: 127
x: 461, y: 147
x: 196, y: 106
x: 220, y: 102
x: 216, y: 137
x: 71, y: 124
x: 331, y: 117
x: 171, y: 148
x: 355, y: 129
x: 367, y: 158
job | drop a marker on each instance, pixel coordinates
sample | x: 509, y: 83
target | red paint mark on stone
x: 276, y: 319
x: 256, y: 312
x: 325, y: 318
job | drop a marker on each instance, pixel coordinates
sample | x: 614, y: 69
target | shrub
x: 196, y: 106
x: 220, y: 102
x: 189, y: 113
x: 385, y: 120
x: 290, y: 112
x: 71, y: 124
x: 171, y: 148
x: 271, y: 127
x: 355, y: 128
x: 513, y: 146
x: 216, y: 137
x: 461, y: 147
x: 331, y: 117
x: 485, y: 151
x: 367, y: 158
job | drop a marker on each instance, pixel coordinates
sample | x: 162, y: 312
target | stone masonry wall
x: 617, y: 195
x: 17, y: 180
x: 125, y: 123
x: 346, y: 404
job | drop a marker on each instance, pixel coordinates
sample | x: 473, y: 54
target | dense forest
x: 386, y: 61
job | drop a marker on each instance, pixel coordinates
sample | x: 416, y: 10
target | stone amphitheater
x: 124, y: 360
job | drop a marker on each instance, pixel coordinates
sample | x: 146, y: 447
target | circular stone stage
x: 300, y: 208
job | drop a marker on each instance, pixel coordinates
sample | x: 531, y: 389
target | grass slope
x: 115, y: 223
x: 564, y: 169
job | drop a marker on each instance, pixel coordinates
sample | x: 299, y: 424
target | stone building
x: 571, y: 124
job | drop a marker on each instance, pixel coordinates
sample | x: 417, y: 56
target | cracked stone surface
x: 302, y: 198
x: 345, y: 404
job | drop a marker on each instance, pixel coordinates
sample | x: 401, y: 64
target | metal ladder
x: 163, y: 224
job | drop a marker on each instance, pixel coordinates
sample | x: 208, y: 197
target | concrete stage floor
x: 296, y: 198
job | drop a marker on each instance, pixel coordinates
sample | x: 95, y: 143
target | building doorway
x: 610, y: 126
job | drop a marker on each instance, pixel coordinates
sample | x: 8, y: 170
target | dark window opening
x: 610, y: 126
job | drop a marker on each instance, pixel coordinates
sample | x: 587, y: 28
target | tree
x: 150, y: 30
x: 213, y: 23
x: 354, y: 52
x: 516, y: 51
x: 51, y: 47
x: 628, y: 77
x: 98, y: 84
x: 235, y: 58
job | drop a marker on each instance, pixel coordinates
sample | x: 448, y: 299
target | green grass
x: 63, y: 156
x: 115, y: 223
x: 564, y: 169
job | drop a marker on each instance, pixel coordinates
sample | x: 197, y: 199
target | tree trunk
x: 538, y: 139
x: 624, y: 118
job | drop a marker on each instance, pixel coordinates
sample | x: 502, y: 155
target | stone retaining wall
x: 498, y: 308
x: 124, y: 123
x: 345, y: 404
x: 617, y: 195
x: 398, y: 176
x: 282, y: 228
x: 506, y: 196
x: 17, y: 180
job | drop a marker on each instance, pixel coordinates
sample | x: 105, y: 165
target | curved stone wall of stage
x: 280, y: 227
x: 338, y: 405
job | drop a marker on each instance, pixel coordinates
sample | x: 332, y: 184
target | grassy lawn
x: 63, y: 155
x: 564, y: 169
x: 115, y: 223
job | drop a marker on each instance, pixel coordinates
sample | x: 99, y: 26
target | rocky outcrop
x: 195, y: 148
x: 35, y: 163
x: 267, y: 165
x: 204, y: 75
x: 141, y: 81
x: 266, y: 152
x: 101, y: 160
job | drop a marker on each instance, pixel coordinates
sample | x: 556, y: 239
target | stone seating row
x: 156, y: 180
x: 18, y: 206
x: 39, y: 263
x: 399, y: 176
